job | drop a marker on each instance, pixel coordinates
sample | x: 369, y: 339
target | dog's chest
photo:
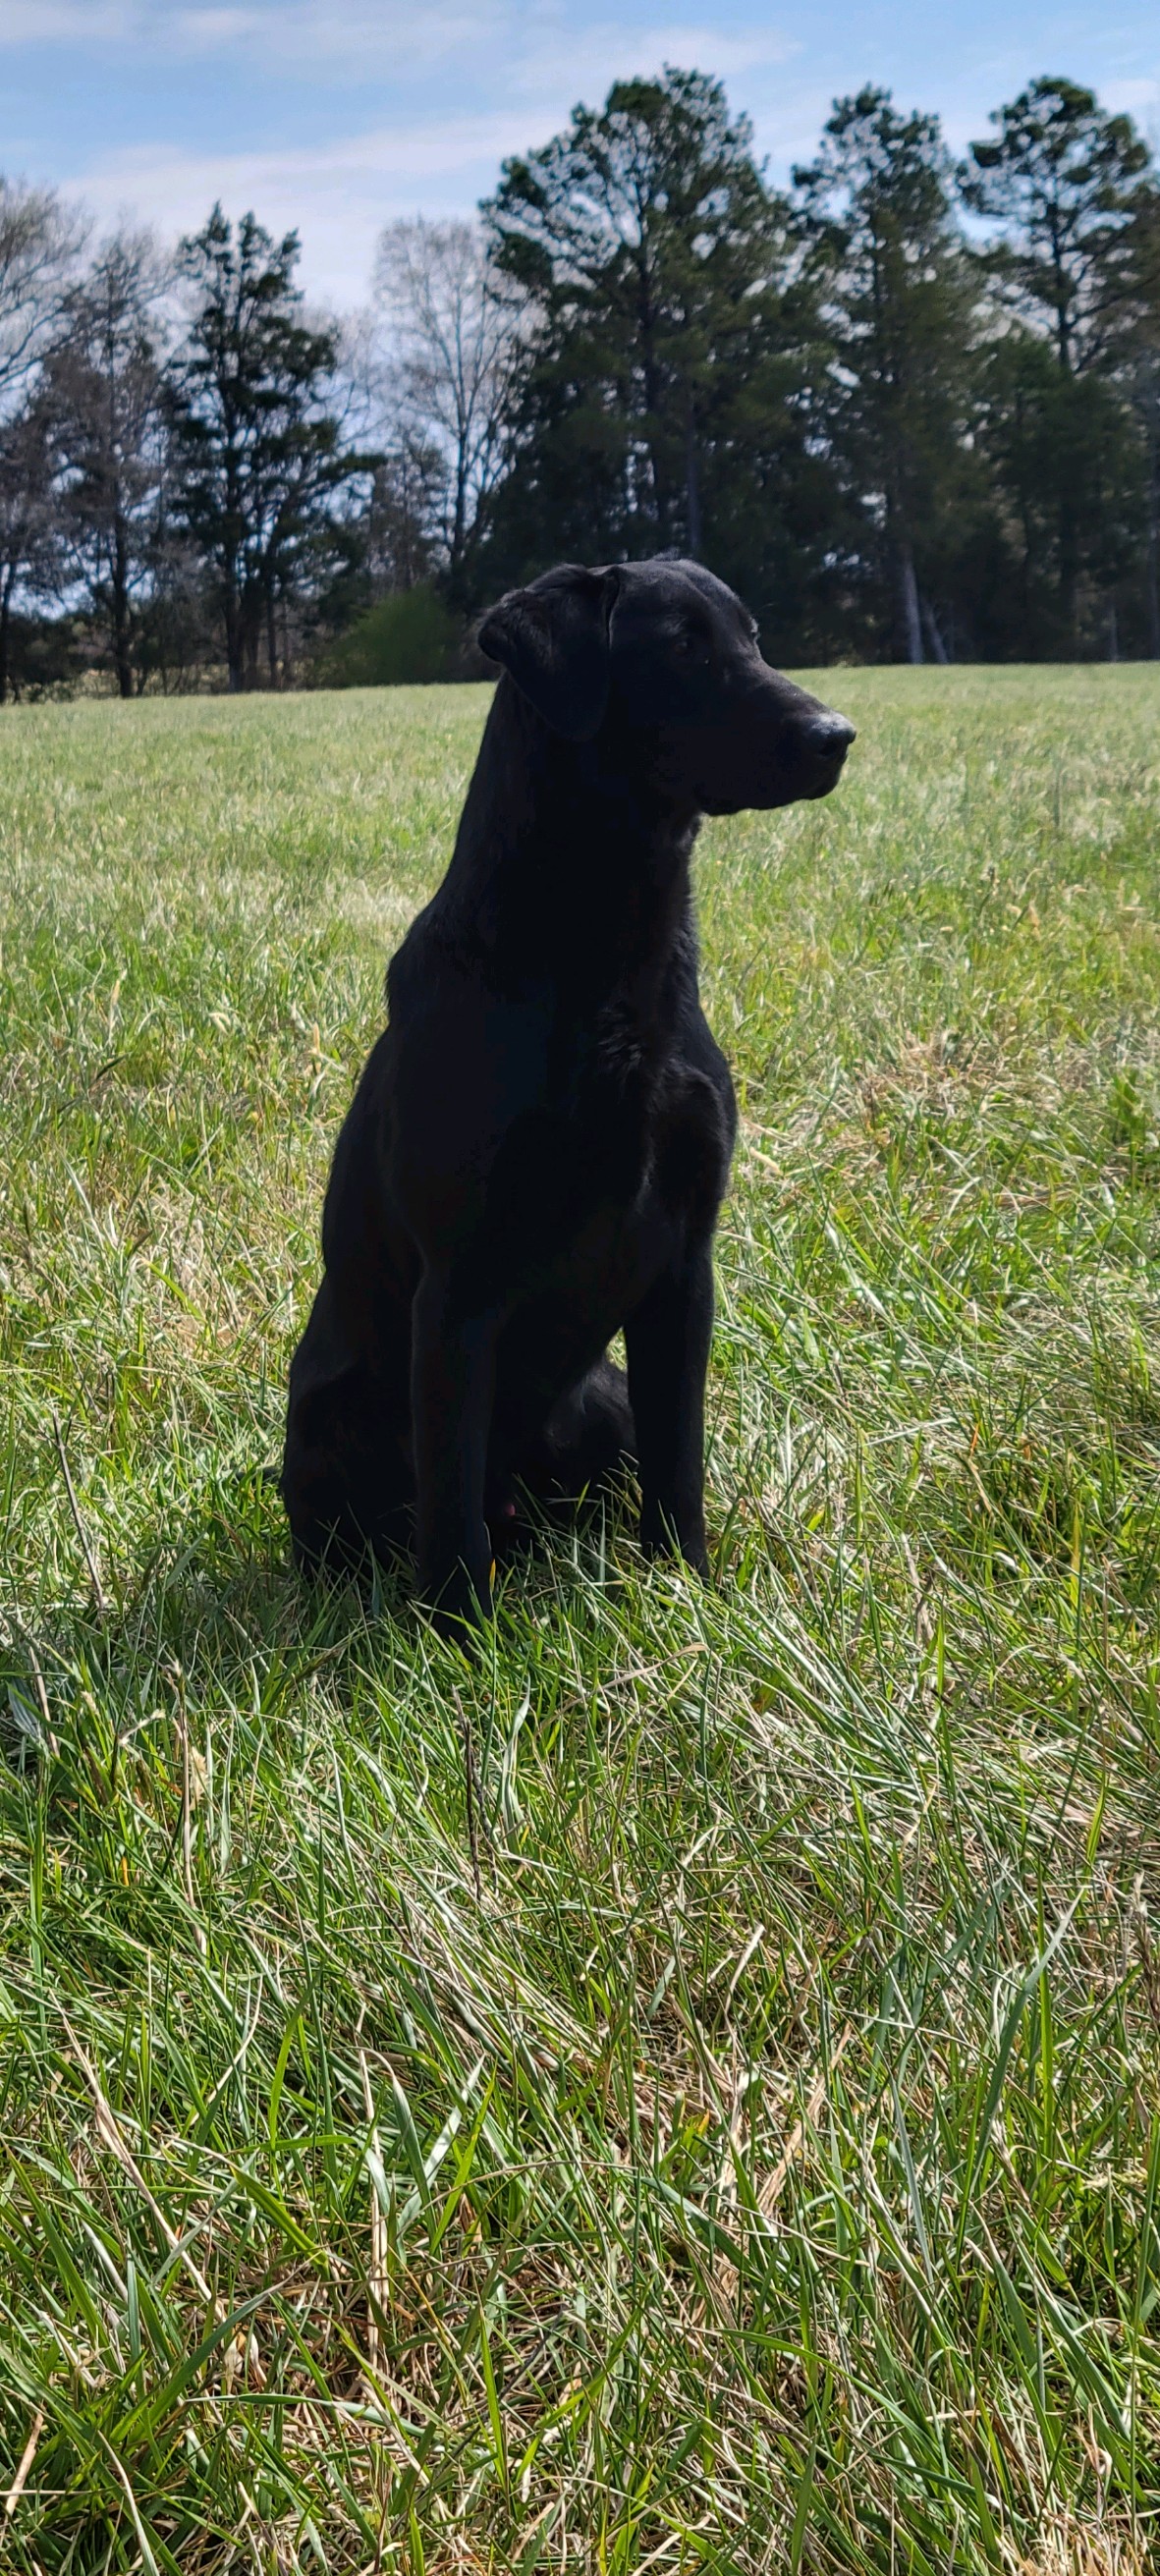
x: 628, y: 1196
x: 639, y: 1139
x: 604, y: 1101
x: 618, y: 1145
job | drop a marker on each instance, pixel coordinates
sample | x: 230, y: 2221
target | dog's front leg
x: 452, y: 1383
x: 667, y: 1342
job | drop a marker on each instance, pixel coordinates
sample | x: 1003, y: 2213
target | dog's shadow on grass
x: 204, y: 1607
x: 218, y: 1608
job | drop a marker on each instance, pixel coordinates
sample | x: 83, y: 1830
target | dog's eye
x: 691, y: 646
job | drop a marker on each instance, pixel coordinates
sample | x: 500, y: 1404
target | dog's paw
x: 461, y: 1606
x: 660, y: 1541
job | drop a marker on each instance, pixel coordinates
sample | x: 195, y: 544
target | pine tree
x: 1062, y: 182
x: 898, y: 301
x: 654, y: 394
x: 1140, y: 367
x: 262, y: 470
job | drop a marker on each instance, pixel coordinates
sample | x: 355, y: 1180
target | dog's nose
x: 827, y: 735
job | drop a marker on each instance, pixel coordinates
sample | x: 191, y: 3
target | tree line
x: 909, y: 408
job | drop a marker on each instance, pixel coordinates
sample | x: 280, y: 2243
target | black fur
x: 538, y: 1147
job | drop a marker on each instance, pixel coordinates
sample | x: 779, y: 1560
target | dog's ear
x: 554, y: 642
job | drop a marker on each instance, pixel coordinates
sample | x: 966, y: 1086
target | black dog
x: 538, y: 1147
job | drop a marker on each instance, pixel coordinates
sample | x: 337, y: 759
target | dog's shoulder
x: 416, y: 960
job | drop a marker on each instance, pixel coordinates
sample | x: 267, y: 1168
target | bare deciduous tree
x: 104, y: 383
x: 40, y: 243
x: 451, y: 332
x: 28, y: 532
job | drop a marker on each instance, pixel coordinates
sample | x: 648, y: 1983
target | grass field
x: 747, y: 2155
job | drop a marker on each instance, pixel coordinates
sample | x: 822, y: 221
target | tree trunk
x: 250, y: 622
x: 1069, y: 558
x: 122, y: 654
x: 1153, y: 576
x: 6, y: 635
x: 272, y: 635
x: 1068, y: 574
x: 1028, y: 549
x: 692, y: 487
x: 911, y: 613
x: 233, y: 640
x: 934, y: 633
x: 653, y: 398
x: 233, y: 558
x: 458, y: 527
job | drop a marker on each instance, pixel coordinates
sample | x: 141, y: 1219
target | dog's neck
x: 565, y: 865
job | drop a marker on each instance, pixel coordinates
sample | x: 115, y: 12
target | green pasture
x: 730, y: 2140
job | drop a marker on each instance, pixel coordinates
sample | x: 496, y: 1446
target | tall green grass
x: 730, y: 2140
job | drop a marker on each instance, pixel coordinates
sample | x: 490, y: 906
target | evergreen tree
x: 898, y: 299
x: 654, y: 397
x: 1140, y: 368
x: 262, y: 471
x: 1061, y: 180
x: 893, y: 433
x: 1062, y: 183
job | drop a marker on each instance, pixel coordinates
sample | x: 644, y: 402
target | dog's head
x: 661, y: 661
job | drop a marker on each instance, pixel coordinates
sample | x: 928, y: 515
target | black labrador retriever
x: 537, y: 1150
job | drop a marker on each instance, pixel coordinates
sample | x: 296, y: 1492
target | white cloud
x: 338, y: 32
x: 337, y: 196
x: 570, y: 63
x: 1138, y: 98
x: 73, y: 22
x: 750, y: 49
x: 294, y: 34
x: 540, y: 46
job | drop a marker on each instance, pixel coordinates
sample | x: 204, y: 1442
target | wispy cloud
x: 289, y: 34
x: 1140, y: 98
x: 340, y: 192
x: 337, y: 196
x: 346, y: 33
x: 74, y: 22
x: 446, y: 89
x: 569, y: 61
x: 542, y: 47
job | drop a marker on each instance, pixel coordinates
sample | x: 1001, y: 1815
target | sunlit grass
x: 743, y: 2150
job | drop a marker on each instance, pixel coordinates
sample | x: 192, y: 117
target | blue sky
x: 335, y: 114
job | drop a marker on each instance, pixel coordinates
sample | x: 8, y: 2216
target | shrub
x: 409, y: 636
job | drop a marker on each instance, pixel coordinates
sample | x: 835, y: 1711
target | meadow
x: 682, y: 2093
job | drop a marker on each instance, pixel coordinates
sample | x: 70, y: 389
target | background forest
x: 910, y: 409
